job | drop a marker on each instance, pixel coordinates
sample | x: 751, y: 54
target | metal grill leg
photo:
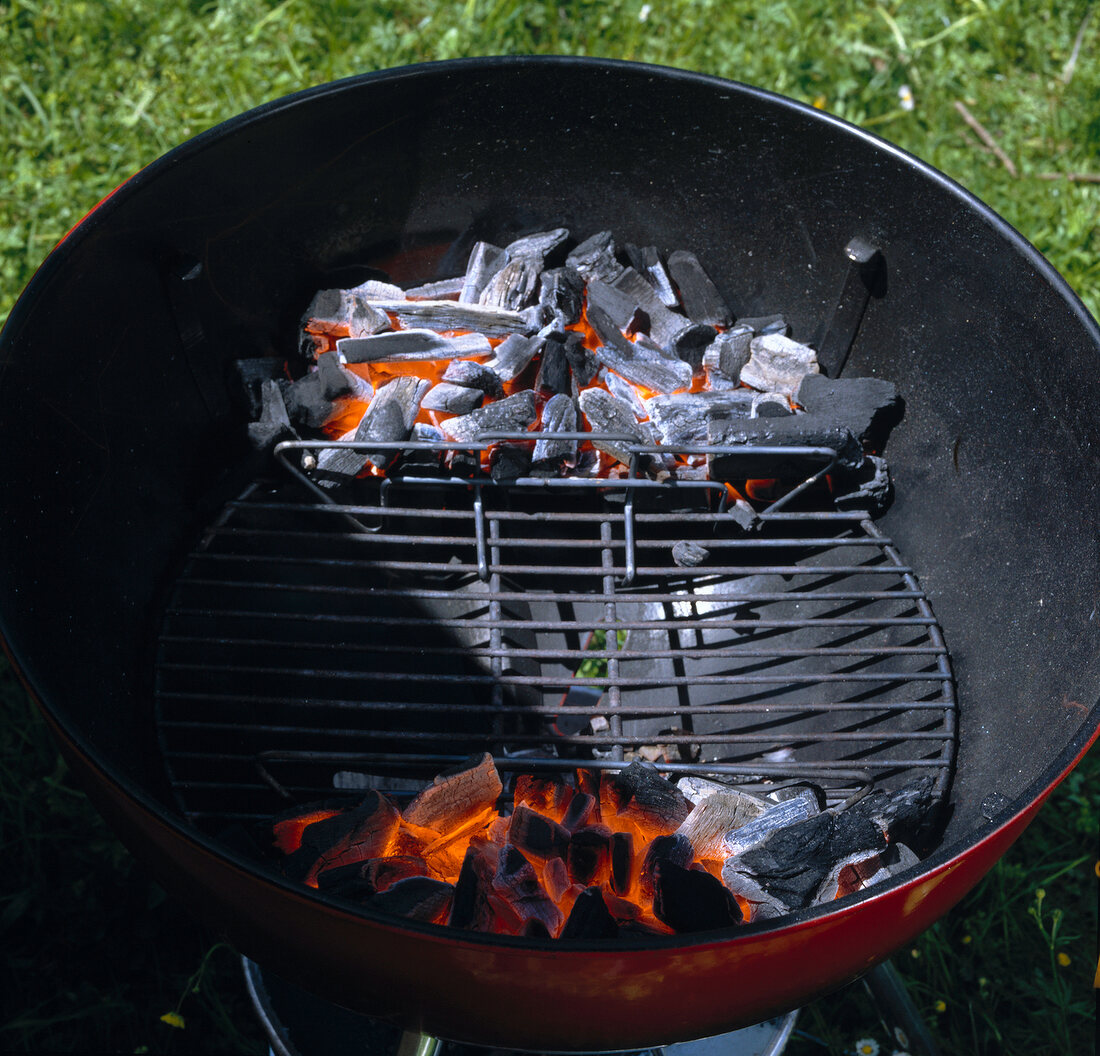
x: 896, y: 1007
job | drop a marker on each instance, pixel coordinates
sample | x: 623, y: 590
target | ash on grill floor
x: 429, y: 621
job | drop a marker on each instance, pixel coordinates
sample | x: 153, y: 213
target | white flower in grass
x: 643, y: 14
x: 866, y: 1047
x: 905, y: 95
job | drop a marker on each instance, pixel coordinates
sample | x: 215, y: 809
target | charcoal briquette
x: 590, y: 918
x: 700, y: 297
x: 690, y: 900
x: 452, y: 399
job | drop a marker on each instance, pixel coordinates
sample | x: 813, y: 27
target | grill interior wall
x: 300, y: 644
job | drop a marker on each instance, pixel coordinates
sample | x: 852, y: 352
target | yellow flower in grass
x: 967, y: 940
x: 940, y: 1006
x: 173, y: 1019
x: 1065, y: 960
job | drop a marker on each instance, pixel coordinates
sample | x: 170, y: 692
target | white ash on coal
x: 598, y: 854
x: 548, y: 335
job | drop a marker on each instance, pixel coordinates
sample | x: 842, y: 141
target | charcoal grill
x: 377, y: 641
x: 132, y: 505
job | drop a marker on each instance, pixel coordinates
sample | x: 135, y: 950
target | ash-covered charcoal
x: 867, y: 407
x: 792, y: 862
x: 372, y: 876
x: 700, y: 297
x: 514, y: 286
x: 327, y: 306
x: 414, y: 344
x: 626, y: 393
x: 716, y: 816
x: 474, y: 375
x: 896, y: 858
x: 620, y: 307
x: 559, y: 415
x: 580, y: 810
x: 594, y: 258
x: 553, y: 375
x: 363, y: 318
x: 561, y: 296
x: 743, y: 515
x: 690, y: 900
x: 273, y: 423
x: 306, y: 401
x: 513, y: 355
x: 389, y: 418
x: 639, y: 791
x: 353, y: 835
x: 902, y: 814
x: 376, y: 290
x: 539, y: 245
x: 513, y: 414
x: 778, y: 364
x: 472, y: 906
x: 799, y: 430
x: 582, y: 363
x: 605, y: 414
x: 484, y: 262
x: 456, y: 796
x: 433, y: 291
x: 335, y: 381
x: 509, y: 462
x: 765, y: 324
x: 682, y: 418
x: 590, y: 918
x: 417, y: 898
x: 555, y: 879
x: 634, y: 362
x: 848, y: 875
x: 549, y: 795
x: 537, y: 835
x: 743, y: 837
x: 724, y: 357
x: 864, y: 488
x: 411, y: 457
x: 487, y: 320
x: 770, y: 405
x: 249, y: 377
x: 452, y: 399
x: 761, y: 904
x: 646, y: 260
x: 674, y: 334
x: 688, y: 554
x: 517, y: 883
x: 696, y: 789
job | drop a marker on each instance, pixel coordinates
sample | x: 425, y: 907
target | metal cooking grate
x: 310, y: 644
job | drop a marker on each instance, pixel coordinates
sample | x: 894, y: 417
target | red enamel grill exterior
x: 123, y: 444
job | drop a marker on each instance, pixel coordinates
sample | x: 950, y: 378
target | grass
x: 91, y: 91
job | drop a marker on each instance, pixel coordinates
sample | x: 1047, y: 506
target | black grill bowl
x: 121, y: 442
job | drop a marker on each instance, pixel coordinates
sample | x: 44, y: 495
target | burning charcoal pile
x: 599, y: 854
x: 567, y: 341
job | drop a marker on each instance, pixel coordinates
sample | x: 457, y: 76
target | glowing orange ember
x: 527, y: 858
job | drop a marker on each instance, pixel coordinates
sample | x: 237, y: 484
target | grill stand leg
x: 896, y: 1009
x: 413, y: 1043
